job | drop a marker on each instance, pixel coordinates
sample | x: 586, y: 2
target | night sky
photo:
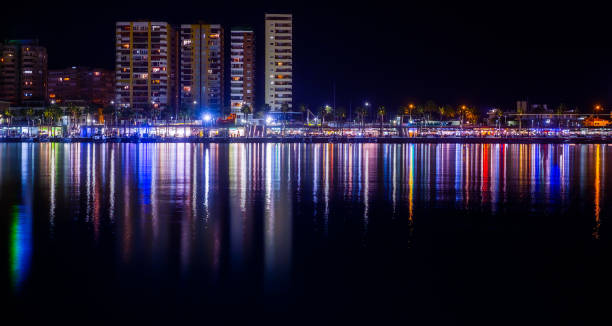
x: 479, y: 55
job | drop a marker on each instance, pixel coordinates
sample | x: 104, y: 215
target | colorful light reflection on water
x: 202, y: 214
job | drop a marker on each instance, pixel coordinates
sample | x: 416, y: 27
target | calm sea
x: 305, y: 233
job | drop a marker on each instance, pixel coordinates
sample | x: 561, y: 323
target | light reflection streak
x: 21, y: 241
x: 326, y: 166
x: 111, y: 212
x: 411, y: 184
x: 206, y: 184
x: 597, y: 191
x: 52, y: 187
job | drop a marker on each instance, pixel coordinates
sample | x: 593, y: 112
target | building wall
x: 23, y: 72
x: 279, y: 60
x: 202, y: 68
x: 81, y: 86
x: 242, y: 77
x: 145, y: 60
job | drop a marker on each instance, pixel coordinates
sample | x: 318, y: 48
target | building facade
x: 279, y: 60
x: 146, y: 67
x: 23, y: 73
x: 81, y: 86
x: 242, y: 77
x: 202, y: 68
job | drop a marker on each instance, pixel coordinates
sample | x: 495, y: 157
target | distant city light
x: 269, y: 120
x: 207, y: 117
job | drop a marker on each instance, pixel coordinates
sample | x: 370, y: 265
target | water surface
x: 305, y: 233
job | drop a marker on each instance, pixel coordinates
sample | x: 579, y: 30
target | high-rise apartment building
x: 202, y: 73
x: 242, y: 82
x: 279, y: 60
x: 146, y: 66
x: 23, y: 72
x: 81, y: 86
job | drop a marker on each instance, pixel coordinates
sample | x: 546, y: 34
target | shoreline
x: 319, y: 140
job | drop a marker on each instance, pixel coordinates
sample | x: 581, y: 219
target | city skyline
x: 450, y: 55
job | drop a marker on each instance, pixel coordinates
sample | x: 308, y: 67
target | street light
x: 598, y: 108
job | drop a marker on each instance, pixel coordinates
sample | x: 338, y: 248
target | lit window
x: 27, y: 72
x: 186, y: 42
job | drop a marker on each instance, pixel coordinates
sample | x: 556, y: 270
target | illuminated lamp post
x: 598, y: 108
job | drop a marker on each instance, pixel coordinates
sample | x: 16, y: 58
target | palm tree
x: 408, y: 110
x: 462, y: 111
x: 472, y: 115
x: 520, y: 111
x: 284, y: 109
x: 9, y: 114
x: 340, y: 113
x: 429, y: 108
x: 442, y: 112
x: 381, y: 113
x: 304, y: 109
x: 499, y: 113
x: 361, y: 112
x: 246, y: 109
x: 108, y: 110
x: 562, y: 108
x: 329, y: 111
x: 47, y: 114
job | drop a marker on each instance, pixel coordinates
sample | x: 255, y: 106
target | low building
x: 596, y: 122
x: 81, y: 86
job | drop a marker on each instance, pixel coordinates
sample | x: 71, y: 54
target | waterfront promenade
x: 321, y: 139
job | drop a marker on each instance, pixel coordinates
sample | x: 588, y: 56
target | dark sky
x: 382, y: 52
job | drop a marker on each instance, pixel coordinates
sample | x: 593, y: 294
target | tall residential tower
x: 242, y: 83
x: 279, y: 60
x: 146, y: 62
x: 202, y: 73
x: 23, y: 72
